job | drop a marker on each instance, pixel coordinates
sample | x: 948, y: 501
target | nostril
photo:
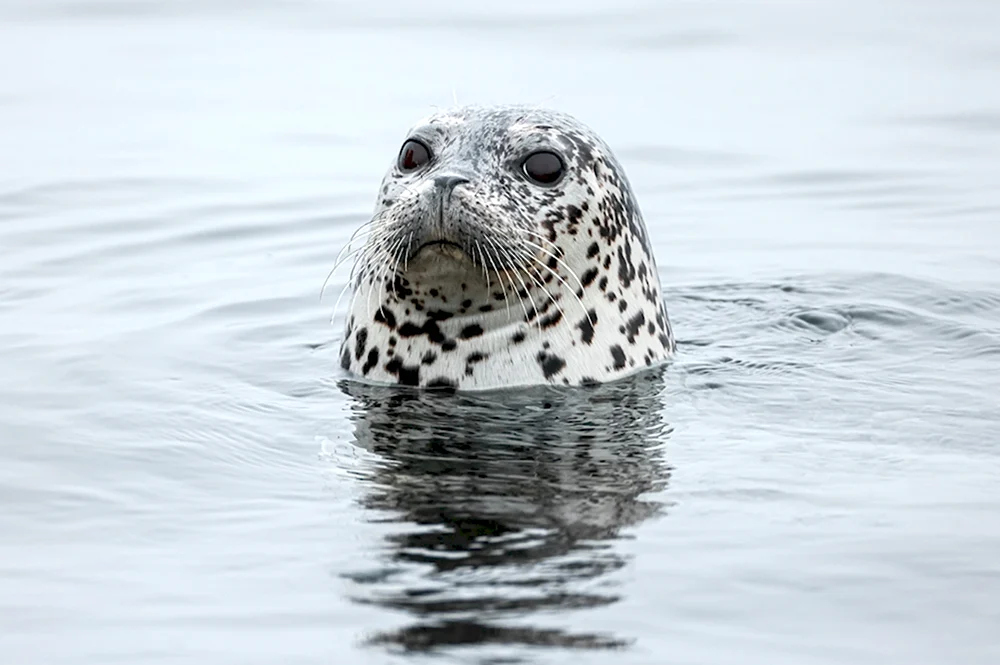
x: 449, y: 182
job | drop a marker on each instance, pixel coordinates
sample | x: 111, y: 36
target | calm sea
x: 185, y: 477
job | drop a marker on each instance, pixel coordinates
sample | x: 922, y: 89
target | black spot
x: 408, y: 376
x: 401, y: 287
x: 468, y: 332
x: 550, y: 320
x: 438, y: 315
x: 619, y: 356
x: 650, y: 328
x: 345, y: 356
x: 589, y: 277
x: 551, y: 364
x: 430, y: 329
x: 442, y: 382
x: 384, y: 315
x: 486, y: 308
x: 665, y: 341
x: 622, y: 306
x: 360, y: 341
x: 586, y: 326
x: 471, y: 360
x: 448, y: 345
x: 603, y: 284
x: 626, y: 271
x: 532, y: 313
x: 409, y: 329
x: 371, y: 362
x: 517, y: 337
x: 633, y: 325
x: 589, y: 382
x: 593, y: 251
x: 467, y: 304
x: 429, y: 358
x: 575, y: 215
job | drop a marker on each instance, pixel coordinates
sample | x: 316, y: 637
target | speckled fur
x: 553, y: 284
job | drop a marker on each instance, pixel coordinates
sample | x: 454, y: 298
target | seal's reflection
x: 509, y: 504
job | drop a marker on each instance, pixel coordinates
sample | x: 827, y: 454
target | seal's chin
x: 441, y: 258
x: 444, y: 248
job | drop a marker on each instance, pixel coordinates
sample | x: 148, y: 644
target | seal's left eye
x: 413, y: 155
x: 543, y: 167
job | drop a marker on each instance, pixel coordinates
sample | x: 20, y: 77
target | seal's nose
x: 449, y: 182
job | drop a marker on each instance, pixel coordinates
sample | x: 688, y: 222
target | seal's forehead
x: 501, y: 119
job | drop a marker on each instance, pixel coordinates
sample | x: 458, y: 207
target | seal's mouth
x: 440, y: 244
x: 442, y: 249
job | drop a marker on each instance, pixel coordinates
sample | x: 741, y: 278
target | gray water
x: 185, y: 476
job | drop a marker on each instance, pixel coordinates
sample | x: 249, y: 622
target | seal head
x: 506, y: 249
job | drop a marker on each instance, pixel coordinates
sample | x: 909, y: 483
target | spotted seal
x: 506, y: 248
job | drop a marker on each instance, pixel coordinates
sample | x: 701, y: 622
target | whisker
x: 554, y: 256
x: 541, y: 287
x: 524, y: 285
x: 564, y: 283
x: 503, y: 288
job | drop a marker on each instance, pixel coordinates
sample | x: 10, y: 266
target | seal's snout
x: 439, y: 229
x: 447, y: 182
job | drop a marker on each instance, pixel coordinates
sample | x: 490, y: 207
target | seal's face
x: 488, y: 197
x: 506, y: 248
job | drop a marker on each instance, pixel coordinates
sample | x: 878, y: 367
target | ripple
x: 821, y: 321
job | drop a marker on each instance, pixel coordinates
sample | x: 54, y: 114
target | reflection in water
x: 509, y: 503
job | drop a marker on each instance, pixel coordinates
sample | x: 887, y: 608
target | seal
x: 506, y: 249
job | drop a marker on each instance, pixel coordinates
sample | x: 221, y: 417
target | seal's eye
x: 413, y: 155
x: 543, y: 167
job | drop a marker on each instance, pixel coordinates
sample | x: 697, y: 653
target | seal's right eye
x: 543, y: 167
x: 413, y: 155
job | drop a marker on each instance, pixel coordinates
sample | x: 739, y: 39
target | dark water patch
x: 433, y: 637
x: 508, y: 505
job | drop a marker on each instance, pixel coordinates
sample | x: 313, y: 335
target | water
x: 186, y: 478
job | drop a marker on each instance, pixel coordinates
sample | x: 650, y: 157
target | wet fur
x: 539, y: 284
